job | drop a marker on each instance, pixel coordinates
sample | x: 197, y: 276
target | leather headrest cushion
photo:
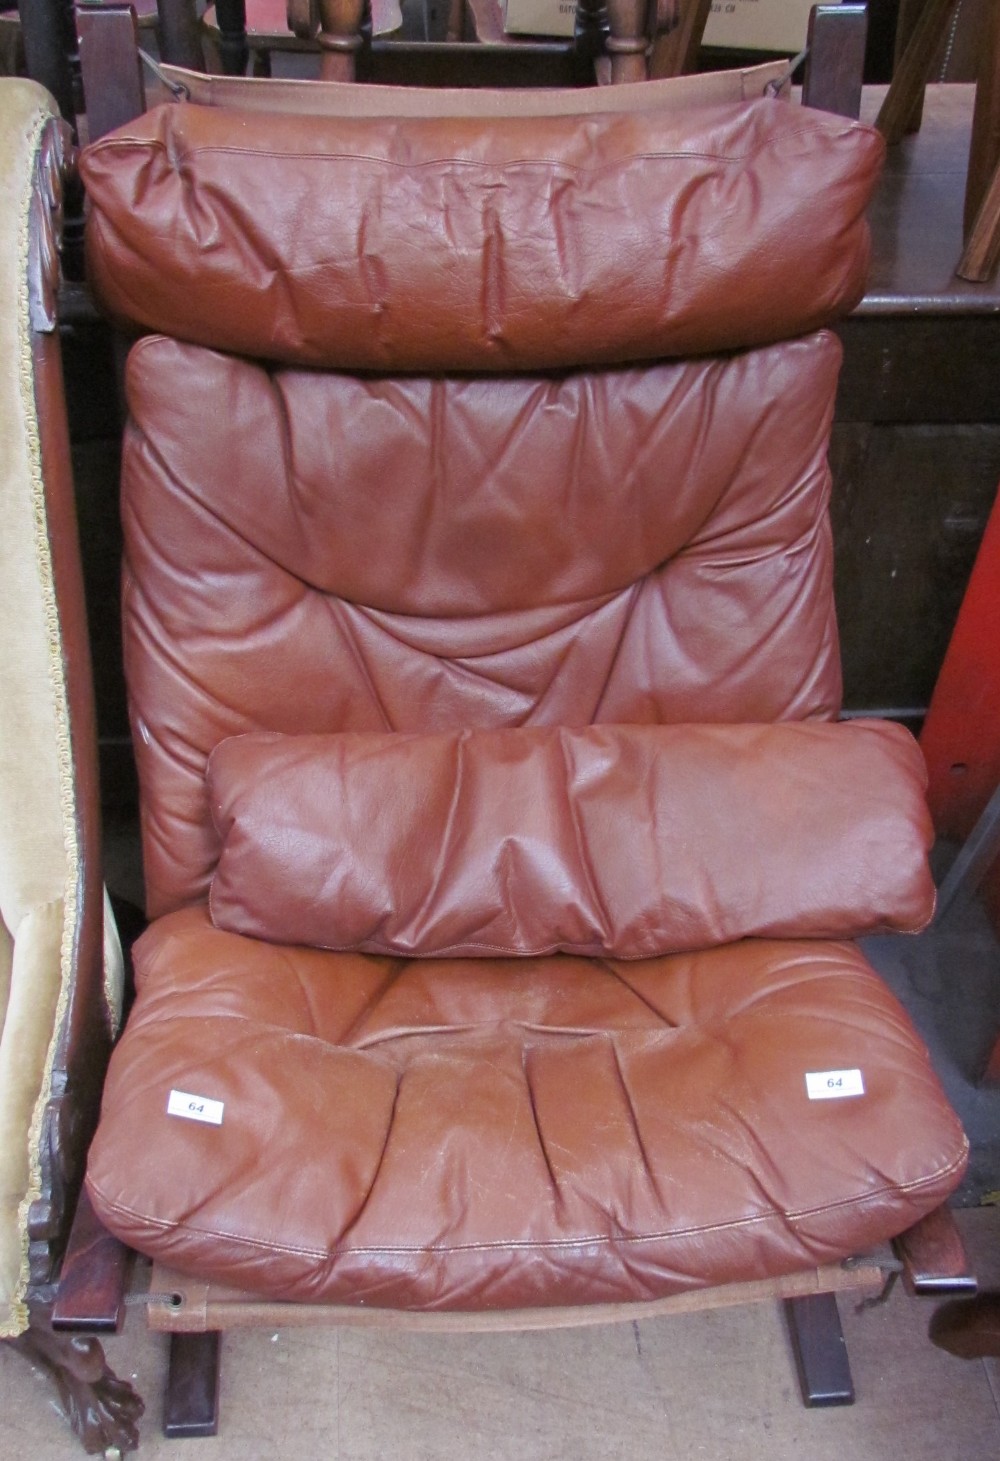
x: 476, y: 244
x: 629, y: 841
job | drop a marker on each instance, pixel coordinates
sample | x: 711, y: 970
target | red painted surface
x: 961, y: 736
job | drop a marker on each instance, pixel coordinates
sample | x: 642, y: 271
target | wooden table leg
x: 906, y: 23
x: 984, y: 153
x: 676, y: 52
x: 913, y: 70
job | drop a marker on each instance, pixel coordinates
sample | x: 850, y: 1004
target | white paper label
x: 828, y: 1085
x: 195, y: 1108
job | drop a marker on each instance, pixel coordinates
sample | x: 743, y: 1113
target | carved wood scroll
x: 45, y: 225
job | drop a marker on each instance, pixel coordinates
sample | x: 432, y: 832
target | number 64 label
x: 830, y: 1085
x: 195, y: 1108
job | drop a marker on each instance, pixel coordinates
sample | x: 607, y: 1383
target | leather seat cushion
x: 453, y: 243
x: 450, y: 1135
x: 618, y: 839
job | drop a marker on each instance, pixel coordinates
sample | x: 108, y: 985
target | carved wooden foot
x: 103, y: 1410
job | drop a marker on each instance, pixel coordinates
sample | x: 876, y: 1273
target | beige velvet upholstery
x: 39, y: 815
x: 30, y: 1025
x: 32, y: 866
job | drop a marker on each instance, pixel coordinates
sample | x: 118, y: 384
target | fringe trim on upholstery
x: 18, y: 1317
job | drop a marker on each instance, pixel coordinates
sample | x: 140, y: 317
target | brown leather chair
x: 503, y: 849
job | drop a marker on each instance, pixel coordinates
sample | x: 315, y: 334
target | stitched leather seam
x: 549, y: 164
x: 556, y: 1244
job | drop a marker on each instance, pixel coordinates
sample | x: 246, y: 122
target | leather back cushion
x: 457, y: 243
x: 312, y: 553
x: 627, y: 841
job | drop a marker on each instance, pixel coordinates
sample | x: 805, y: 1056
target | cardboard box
x: 539, y: 17
x: 759, y: 25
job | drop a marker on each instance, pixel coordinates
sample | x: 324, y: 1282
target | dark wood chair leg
x: 191, y: 1407
x: 820, y: 1350
x: 103, y: 1410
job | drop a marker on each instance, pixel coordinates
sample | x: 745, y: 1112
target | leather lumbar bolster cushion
x: 630, y: 841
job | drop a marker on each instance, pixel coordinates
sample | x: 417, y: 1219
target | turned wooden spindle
x: 339, y: 37
x: 628, y: 39
x: 231, y: 18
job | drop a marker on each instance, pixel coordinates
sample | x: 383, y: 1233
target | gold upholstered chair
x: 60, y: 962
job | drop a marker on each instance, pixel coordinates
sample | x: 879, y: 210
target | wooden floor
x: 715, y: 1386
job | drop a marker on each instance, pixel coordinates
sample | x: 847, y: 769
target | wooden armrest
x: 933, y: 1258
x: 91, y: 1293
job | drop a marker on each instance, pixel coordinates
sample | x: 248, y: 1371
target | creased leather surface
x: 624, y: 840
x: 456, y: 244
x: 511, y: 1133
x: 312, y: 553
